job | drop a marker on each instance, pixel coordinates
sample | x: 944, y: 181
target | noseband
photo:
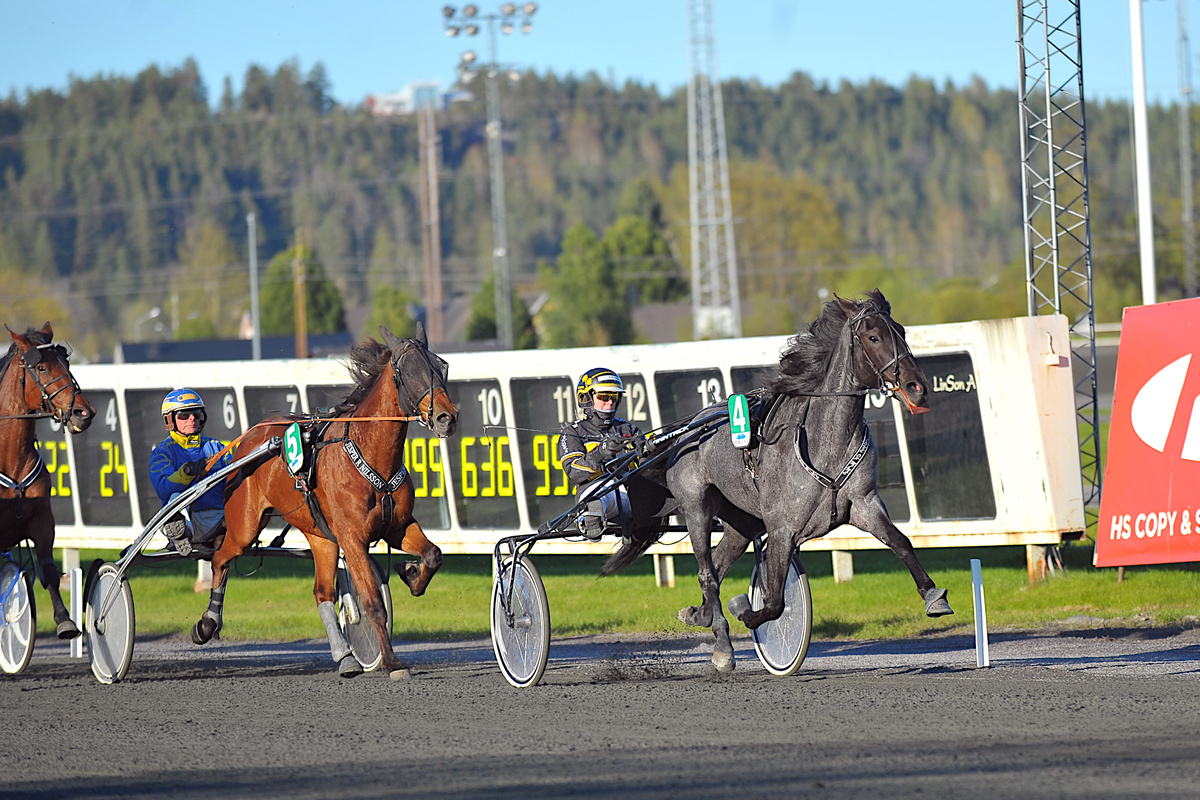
x: 899, y: 348
x: 437, y: 382
x: 29, y: 361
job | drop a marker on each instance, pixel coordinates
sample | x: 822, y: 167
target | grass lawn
x: 274, y: 601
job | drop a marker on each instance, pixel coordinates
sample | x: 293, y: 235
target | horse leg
x: 709, y: 613
x: 359, y: 565
x: 872, y: 516
x: 42, y: 533
x: 243, y: 522
x: 325, y: 556
x: 414, y: 542
x: 775, y: 568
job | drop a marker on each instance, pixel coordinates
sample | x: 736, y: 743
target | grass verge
x: 273, y: 600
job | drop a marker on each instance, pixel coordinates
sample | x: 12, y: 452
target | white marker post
x: 77, y: 610
x: 981, y: 637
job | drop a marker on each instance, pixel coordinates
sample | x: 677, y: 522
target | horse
x: 35, y: 383
x: 344, y: 499
x: 810, y: 426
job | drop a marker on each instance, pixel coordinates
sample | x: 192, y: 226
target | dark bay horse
x: 335, y: 503
x: 811, y: 469
x: 35, y: 383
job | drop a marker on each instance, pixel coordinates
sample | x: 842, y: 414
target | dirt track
x: 1072, y: 714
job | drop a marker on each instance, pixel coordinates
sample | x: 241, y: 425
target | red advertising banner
x: 1150, y: 505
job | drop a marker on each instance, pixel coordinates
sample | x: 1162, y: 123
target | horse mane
x: 32, y: 334
x: 804, y: 362
x: 368, y: 360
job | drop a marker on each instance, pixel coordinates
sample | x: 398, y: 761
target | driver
x: 176, y: 463
x: 586, y: 444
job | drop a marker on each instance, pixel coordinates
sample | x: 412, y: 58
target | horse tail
x: 629, y: 551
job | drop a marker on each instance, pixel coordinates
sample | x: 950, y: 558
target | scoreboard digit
x: 52, y: 444
x: 682, y: 393
x: 542, y: 407
x: 271, y: 401
x: 481, y: 458
x: 103, y: 477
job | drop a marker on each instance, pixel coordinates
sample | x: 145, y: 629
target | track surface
x: 1084, y: 713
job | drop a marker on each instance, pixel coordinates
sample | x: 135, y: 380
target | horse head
x: 420, y: 378
x: 887, y: 364
x: 47, y: 385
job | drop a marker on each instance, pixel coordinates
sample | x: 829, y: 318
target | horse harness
x: 21, y: 486
x: 29, y: 360
x: 762, y: 413
x: 313, y: 429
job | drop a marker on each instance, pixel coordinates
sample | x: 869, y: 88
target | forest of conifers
x: 129, y: 193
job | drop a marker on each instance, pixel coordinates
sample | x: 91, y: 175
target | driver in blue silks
x: 586, y: 444
x: 176, y: 463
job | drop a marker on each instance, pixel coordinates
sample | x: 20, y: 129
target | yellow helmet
x: 597, y: 379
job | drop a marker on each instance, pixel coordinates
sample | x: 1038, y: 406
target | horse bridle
x: 29, y: 361
x: 899, y: 347
x: 437, y: 380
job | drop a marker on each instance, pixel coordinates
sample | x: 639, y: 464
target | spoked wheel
x: 18, y: 621
x: 523, y: 645
x: 110, y: 624
x: 782, y: 643
x: 355, y: 625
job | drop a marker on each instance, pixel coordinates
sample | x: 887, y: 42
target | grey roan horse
x: 811, y: 468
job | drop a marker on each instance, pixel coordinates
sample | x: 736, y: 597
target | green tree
x: 391, y: 307
x: 587, y: 304
x: 212, y: 287
x: 481, y: 326
x: 324, y: 303
x: 643, y: 259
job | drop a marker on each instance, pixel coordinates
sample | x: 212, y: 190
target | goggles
x: 189, y: 413
x: 606, y: 397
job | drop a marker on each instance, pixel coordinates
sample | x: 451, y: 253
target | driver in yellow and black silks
x: 176, y: 463
x: 587, y: 444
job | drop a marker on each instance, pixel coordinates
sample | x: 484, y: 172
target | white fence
x: 995, y: 461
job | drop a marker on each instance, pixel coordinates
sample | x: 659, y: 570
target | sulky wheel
x: 110, y: 624
x: 355, y: 625
x: 522, y: 645
x: 18, y: 622
x: 782, y: 643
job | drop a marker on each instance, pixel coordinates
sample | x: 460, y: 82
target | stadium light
x: 469, y: 68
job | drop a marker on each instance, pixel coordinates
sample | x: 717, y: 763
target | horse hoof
x: 935, y: 603
x: 682, y: 616
x: 202, y: 631
x: 348, y: 667
x: 401, y: 674
x: 738, y: 605
x: 723, y: 662
x: 67, y: 629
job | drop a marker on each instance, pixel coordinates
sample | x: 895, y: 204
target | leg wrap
x: 337, y: 642
x: 216, y: 602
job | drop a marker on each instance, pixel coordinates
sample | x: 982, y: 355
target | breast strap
x: 20, y: 486
x: 832, y: 484
x: 373, y: 477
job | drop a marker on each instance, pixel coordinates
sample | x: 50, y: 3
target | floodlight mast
x: 460, y: 22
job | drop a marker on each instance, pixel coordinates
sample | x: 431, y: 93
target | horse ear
x: 880, y: 300
x: 389, y: 339
x: 46, y: 329
x: 16, y: 337
x: 849, y: 307
x: 420, y: 335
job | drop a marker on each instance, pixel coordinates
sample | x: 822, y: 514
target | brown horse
x: 345, y: 498
x: 35, y: 383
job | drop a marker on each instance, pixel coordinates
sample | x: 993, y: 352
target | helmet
x: 178, y: 400
x: 597, y: 379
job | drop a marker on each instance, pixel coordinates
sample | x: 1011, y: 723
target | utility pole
x: 300, y: 299
x: 1185, y: 155
x: 256, y: 333
x: 431, y: 230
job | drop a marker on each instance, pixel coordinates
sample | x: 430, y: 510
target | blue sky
x: 372, y: 46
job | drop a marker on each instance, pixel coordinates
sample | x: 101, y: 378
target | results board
x: 974, y: 470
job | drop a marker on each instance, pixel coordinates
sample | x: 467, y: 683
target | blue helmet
x: 178, y: 400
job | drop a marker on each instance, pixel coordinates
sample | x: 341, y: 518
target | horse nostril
x: 916, y: 388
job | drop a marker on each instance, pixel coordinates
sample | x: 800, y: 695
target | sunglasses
x: 607, y: 397
x: 198, y: 414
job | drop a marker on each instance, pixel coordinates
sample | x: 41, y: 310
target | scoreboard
x: 995, y: 461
